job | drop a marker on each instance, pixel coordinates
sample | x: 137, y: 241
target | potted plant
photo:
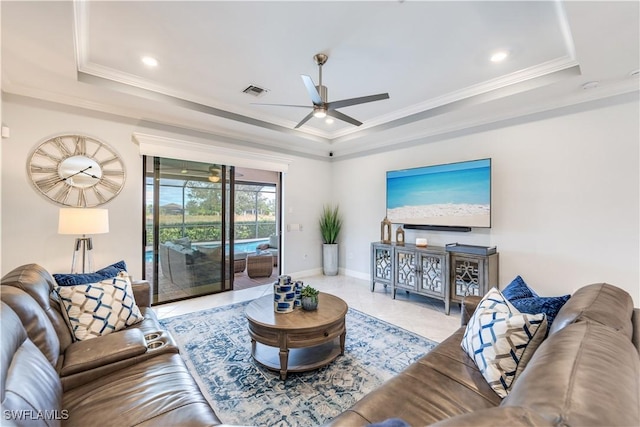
x: 330, y: 225
x: 309, y: 298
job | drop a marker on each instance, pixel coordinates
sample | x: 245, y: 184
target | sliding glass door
x: 189, y: 242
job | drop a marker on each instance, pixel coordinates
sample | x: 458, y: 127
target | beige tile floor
x: 421, y: 315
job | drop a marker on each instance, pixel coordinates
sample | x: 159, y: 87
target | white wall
x: 306, y: 189
x: 565, y: 195
x: 30, y: 221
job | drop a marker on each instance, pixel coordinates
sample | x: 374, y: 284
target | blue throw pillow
x: 391, y: 422
x: 82, y: 279
x: 518, y: 289
x: 547, y: 305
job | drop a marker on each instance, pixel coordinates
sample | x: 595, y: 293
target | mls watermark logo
x: 31, y: 415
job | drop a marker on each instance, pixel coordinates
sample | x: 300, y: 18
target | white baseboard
x: 355, y: 274
x: 318, y: 271
x: 305, y: 273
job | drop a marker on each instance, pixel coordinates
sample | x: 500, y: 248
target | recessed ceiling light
x: 149, y: 61
x: 328, y: 120
x: 499, y: 56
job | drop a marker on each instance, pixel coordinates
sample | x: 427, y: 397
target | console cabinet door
x: 472, y: 275
x: 422, y: 271
x: 432, y: 275
x: 405, y: 270
x: 381, y: 264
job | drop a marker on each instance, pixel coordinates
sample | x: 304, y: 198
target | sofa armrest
x: 469, y: 304
x: 635, y: 320
x: 142, y: 293
x: 86, y: 355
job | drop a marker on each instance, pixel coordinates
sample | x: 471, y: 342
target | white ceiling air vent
x: 255, y: 90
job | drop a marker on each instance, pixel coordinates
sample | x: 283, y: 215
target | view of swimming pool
x: 246, y: 246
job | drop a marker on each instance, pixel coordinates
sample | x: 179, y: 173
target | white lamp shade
x: 83, y: 221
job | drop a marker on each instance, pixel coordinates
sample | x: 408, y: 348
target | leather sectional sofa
x: 133, y: 377
x: 585, y: 373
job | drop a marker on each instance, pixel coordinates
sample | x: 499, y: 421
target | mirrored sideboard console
x: 444, y: 273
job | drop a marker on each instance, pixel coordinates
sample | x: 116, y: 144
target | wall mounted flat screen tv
x: 448, y: 195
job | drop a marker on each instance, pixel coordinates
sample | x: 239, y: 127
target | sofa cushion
x: 512, y: 416
x: 501, y: 340
x: 184, y: 242
x: 602, y: 303
x: 39, y: 284
x: 443, y: 383
x: 518, y: 289
x: 97, y: 309
x: 273, y: 242
x: 81, y: 279
x: 583, y: 375
x: 213, y: 254
x: 28, y: 382
x: 39, y: 328
x: 158, y: 391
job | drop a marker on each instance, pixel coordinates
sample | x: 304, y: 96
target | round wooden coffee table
x: 298, y: 341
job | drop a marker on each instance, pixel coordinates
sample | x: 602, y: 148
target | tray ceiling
x: 433, y: 58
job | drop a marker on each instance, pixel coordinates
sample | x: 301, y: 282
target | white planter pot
x: 330, y: 259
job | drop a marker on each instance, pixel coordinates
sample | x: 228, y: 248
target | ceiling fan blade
x: 338, y: 115
x: 305, y: 120
x: 354, y: 101
x: 282, y: 105
x: 311, y: 88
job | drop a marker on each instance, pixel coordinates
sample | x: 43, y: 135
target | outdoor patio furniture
x: 187, y: 267
x: 259, y: 265
x: 272, y: 248
x: 239, y: 262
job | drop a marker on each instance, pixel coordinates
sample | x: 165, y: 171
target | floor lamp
x: 83, y: 221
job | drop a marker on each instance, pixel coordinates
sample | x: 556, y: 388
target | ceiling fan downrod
x: 321, y: 59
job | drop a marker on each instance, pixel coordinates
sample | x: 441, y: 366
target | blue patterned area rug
x: 217, y: 349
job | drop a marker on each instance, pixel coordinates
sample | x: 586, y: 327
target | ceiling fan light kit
x: 319, y: 112
x: 214, y: 174
x: 319, y: 98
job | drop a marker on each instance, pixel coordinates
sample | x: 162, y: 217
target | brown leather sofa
x: 585, y: 373
x: 133, y: 377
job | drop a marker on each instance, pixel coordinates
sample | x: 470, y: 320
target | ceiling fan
x: 321, y: 106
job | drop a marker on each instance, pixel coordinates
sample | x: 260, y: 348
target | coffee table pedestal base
x: 296, y: 359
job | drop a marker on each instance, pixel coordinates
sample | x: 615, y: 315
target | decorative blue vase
x: 284, y: 295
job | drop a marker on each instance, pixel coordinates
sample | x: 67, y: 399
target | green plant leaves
x: 330, y: 224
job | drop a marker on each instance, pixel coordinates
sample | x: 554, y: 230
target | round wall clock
x: 76, y: 170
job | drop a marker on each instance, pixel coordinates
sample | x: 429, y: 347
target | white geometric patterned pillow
x: 501, y: 340
x: 97, y: 309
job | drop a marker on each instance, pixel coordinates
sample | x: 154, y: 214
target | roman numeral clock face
x: 75, y: 170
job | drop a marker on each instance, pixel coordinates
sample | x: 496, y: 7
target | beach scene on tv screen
x: 456, y: 194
